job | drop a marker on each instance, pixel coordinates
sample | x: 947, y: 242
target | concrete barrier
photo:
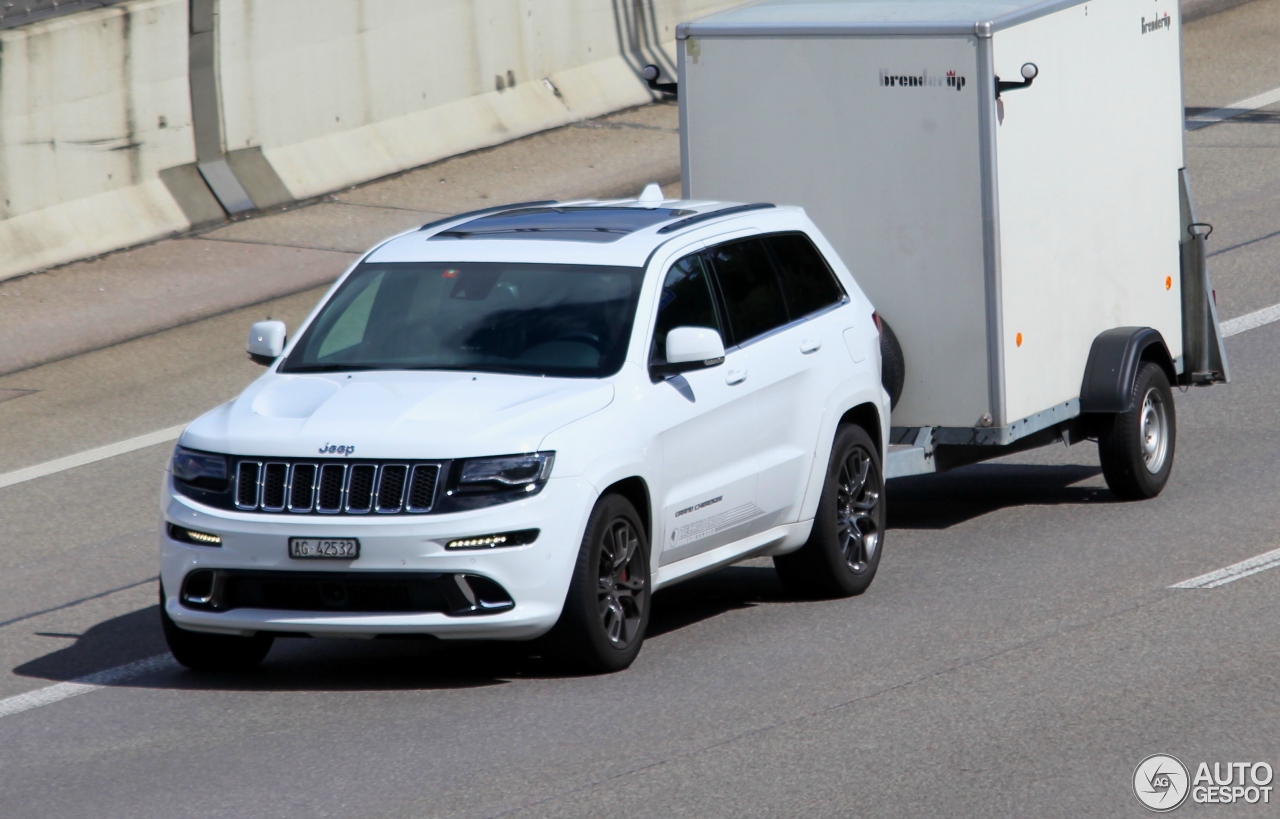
x: 124, y: 124
x: 92, y: 107
x: 337, y: 92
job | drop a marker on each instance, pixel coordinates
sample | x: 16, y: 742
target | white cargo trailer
x: 1006, y: 182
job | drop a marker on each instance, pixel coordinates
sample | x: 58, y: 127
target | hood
x: 386, y: 414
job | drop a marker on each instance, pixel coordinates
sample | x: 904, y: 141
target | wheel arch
x: 636, y: 490
x: 1113, y: 363
x: 866, y: 416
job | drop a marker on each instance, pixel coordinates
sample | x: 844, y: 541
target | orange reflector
x: 1018, y: 339
x: 1168, y: 282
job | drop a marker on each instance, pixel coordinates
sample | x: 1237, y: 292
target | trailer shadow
x: 944, y: 500
x: 306, y: 664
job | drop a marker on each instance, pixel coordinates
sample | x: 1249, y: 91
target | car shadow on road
x: 944, y: 500
x: 305, y: 664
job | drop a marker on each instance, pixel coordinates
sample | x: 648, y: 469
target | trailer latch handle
x: 1200, y: 229
x: 651, y: 73
x: 1029, y: 73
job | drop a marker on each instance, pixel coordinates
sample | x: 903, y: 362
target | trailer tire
x: 843, y: 551
x: 893, y: 366
x: 1136, y: 447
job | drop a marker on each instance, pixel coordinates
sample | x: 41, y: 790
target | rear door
x: 782, y: 301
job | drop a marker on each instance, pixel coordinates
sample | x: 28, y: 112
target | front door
x: 708, y: 464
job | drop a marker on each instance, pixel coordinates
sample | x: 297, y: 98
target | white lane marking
x: 101, y: 453
x: 1236, y: 571
x: 1235, y: 109
x: 1250, y: 320
x: 83, y: 685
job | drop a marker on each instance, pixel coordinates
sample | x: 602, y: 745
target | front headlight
x: 200, y: 469
x: 479, y: 482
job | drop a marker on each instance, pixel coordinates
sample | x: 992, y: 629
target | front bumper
x: 535, y: 576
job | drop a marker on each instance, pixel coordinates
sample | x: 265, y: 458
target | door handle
x: 735, y: 377
x: 810, y: 345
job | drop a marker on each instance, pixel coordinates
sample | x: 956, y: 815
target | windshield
x: 527, y: 319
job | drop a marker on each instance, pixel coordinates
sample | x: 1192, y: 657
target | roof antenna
x: 651, y: 195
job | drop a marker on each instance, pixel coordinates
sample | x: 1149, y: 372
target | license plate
x: 338, y: 548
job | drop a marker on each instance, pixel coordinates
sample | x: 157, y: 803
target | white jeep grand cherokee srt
x: 526, y: 420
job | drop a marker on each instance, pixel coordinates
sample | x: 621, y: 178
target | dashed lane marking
x: 1250, y: 320
x: 101, y: 453
x: 83, y: 685
x: 1235, y: 109
x: 1232, y: 573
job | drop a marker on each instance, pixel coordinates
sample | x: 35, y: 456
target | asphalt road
x: 1019, y: 653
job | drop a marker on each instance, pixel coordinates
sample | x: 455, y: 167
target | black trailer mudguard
x: 1113, y: 363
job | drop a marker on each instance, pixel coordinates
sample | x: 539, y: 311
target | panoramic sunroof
x: 563, y: 224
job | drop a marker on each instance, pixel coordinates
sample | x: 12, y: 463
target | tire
x: 1136, y: 447
x: 893, y: 366
x: 213, y: 652
x: 843, y: 551
x: 606, y: 611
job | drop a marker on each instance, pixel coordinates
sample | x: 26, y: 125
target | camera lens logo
x: 1160, y: 782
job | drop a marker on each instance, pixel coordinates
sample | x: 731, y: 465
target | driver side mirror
x: 266, y: 341
x: 690, y: 348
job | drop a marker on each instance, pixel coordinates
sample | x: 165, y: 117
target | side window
x: 686, y: 301
x: 750, y: 288
x: 807, y: 280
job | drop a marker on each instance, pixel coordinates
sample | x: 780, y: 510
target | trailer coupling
x: 651, y: 73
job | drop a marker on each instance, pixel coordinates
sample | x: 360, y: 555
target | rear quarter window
x: 808, y: 283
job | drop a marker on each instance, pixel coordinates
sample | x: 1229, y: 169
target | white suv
x: 524, y: 421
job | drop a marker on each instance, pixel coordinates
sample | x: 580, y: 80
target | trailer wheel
x: 1136, y: 447
x: 843, y: 551
x: 893, y: 367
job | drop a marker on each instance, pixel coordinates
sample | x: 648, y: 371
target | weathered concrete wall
x: 336, y: 92
x: 92, y: 107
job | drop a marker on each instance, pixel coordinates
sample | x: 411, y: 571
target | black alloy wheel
x: 213, y: 652
x: 606, y: 611
x: 843, y: 551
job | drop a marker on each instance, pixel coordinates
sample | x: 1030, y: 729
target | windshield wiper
x: 331, y: 368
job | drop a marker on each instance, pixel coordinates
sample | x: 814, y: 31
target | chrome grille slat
x: 422, y: 488
x: 275, y: 478
x: 248, y: 485
x: 391, y: 485
x: 302, y: 487
x: 361, y: 481
x: 330, y: 488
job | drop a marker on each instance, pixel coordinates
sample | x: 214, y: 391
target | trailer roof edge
x: 711, y: 26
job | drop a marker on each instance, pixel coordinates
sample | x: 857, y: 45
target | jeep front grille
x: 330, y: 488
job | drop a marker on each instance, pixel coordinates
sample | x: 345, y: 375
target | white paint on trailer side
x: 1088, y: 178
x: 1235, y: 109
x: 89, y: 456
x: 889, y: 173
x: 1249, y: 321
x: 83, y: 685
x: 1232, y: 573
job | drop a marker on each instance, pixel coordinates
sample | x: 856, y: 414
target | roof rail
x: 485, y: 211
x: 712, y: 214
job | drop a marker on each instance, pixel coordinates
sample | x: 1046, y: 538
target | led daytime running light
x: 520, y: 538
x: 185, y: 535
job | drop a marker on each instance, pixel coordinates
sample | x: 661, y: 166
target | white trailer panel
x: 999, y: 236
